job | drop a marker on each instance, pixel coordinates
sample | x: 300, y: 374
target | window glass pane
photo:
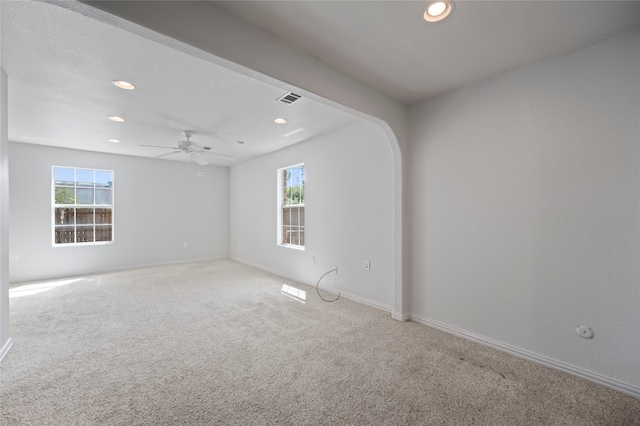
x: 76, y: 187
x: 103, y: 216
x: 64, y: 176
x: 65, y: 216
x: 65, y: 235
x: 84, y: 177
x: 104, y: 179
x: 103, y: 233
x: 286, y: 216
x: 64, y: 195
x: 84, y: 216
x: 84, y: 196
x: 292, y: 218
x: 284, y: 187
x: 302, y: 185
x: 84, y: 234
x: 287, y: 188
x: 104, y: 197
x: 294, y: 194
x: 293, y: 185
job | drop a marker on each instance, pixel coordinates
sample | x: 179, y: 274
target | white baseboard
x: 6, y: 348
x: 344, y: 294
x: 400, y: 316
x: 364, y: 301
x: 617, y: 385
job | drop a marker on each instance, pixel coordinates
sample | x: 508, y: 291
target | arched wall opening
x: 213, y: 35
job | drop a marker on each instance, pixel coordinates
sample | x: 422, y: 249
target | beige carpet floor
x: 220, y: 343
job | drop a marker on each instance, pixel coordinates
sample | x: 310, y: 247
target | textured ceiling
x: 389, y: 46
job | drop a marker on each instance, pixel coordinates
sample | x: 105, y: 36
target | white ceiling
x: 60, y: 66
x: 388, y: 45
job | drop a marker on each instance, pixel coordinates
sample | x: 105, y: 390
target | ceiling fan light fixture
x: 199, y: 159
x: 123, y: 84
x: 113, y: 140
x: 280, y: 120
x: 116, y: 119
x: 437, y: 11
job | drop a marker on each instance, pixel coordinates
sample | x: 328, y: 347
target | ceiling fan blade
x: 159, y: 146
x: 168, y: 153
x: 220, y: 156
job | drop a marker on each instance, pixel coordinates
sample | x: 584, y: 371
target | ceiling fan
x: 197, y: 152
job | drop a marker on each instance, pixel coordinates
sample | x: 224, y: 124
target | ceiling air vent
x: 289, y: 98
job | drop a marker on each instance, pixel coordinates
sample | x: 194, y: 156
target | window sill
x: 94, y: 243
x: 290, y: 246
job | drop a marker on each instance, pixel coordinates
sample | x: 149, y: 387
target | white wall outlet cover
x: 585, y: 332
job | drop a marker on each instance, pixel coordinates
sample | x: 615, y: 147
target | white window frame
x: 281, y: 206
x: 76, y: 206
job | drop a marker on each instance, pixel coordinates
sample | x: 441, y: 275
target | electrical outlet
x: 367, y: 265
x: 585, y: 332
x: 313, y: 260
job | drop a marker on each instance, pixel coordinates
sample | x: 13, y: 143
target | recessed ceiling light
x: 437, y: 11
x: 113, y: 140
x: 116, y: 118
x: 279, y: 121
x: 123, y: 84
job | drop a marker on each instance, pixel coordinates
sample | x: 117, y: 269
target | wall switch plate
x: 185, y: 245
x: 15, y: 258
x: 367, y: 265
x: 585, y: 332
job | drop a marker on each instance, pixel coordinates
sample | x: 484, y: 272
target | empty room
x: 320, y: 212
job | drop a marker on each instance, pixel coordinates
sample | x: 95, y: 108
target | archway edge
x: 202, y: 30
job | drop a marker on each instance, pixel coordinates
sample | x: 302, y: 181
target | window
x: 291, y: 206
x: 82, y: 206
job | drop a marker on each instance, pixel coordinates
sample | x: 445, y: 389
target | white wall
x: 158, y: 204
x: 5, y: 339
x: 349, y: 213
x: 525, y: 209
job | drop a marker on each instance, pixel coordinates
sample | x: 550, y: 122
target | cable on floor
x: 318, y: 286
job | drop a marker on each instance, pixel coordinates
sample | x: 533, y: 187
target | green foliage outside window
x: 295, y: 195
x: 65, y: 195
x: 294, y: 185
